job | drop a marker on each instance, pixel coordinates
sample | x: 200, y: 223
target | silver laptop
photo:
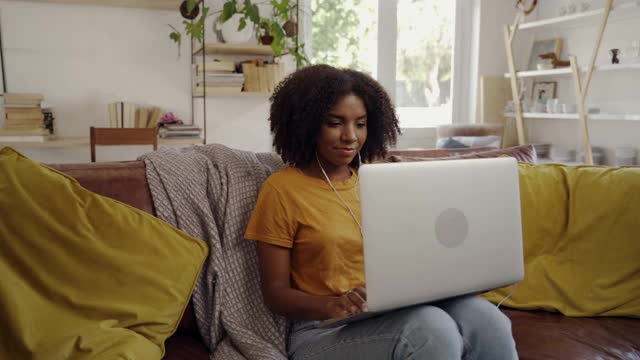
x: 438, y: 229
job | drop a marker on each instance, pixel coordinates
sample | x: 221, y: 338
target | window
x: 407, y: 45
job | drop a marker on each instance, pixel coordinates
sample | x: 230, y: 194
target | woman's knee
x: 476, y: 313
x: 428, y: 331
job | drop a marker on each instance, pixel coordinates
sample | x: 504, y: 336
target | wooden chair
x: 119, y: 136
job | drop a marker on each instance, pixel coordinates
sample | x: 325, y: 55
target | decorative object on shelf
x: 280, y: 30
x: 189, y: 9
x: 169, y: 118
x: 522, y: 5
x: 541, y: 47
x: 49, y: 118
x: 614, y: 56
x: 543, y: 91
x: 555, y: 62
x: 572, y: 7
x: 236, y: 29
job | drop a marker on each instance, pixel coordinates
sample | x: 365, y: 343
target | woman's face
x: 343, y: 132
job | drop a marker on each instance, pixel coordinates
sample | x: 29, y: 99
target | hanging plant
x: 190, y: 9
x: 280, y: 31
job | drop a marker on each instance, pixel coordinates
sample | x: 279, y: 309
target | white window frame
x: 464, y: 52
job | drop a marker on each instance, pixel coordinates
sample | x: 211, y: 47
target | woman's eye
x: 361, y: 125
x: 333, y: 123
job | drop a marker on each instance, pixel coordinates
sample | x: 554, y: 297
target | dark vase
x: 185, y: 12
x: 266, y: 39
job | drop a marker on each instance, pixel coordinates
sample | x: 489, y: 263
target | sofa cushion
x: 85, y: 276
x: 545, y: 335
x: 580, y: 231
x: 525, y: 153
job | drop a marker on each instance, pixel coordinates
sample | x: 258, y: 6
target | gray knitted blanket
x: 209, y: 192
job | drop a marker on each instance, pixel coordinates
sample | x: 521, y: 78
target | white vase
x: 230, y: 33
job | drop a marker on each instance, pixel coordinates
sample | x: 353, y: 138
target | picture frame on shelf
x: 543, y: 91
x: 540, y: 47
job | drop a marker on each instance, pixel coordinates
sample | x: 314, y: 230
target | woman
x: 325, y: 122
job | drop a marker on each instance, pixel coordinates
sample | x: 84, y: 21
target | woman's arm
x: 294, y: 304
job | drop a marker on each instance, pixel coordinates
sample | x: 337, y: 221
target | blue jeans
x: 466, y: 327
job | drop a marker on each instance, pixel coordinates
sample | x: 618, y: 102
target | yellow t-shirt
x: 304, y: 214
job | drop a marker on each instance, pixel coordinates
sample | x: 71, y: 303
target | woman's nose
x: 349, y: 134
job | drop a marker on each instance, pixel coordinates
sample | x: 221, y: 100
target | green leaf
x: 253, y: 13
x: 242, y: 24
x: 191, y: 4
x: 279, y: 39
x: 228, y: 10
x: 196, y: 30
x: 176, y: 36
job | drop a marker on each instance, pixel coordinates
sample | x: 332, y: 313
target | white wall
x: 614, y: 92
x: 83, y: 57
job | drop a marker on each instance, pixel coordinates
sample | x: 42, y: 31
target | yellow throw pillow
x: 84, y: 276
x: 581, y: 244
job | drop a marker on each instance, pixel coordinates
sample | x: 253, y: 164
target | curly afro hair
x: 302, y: 102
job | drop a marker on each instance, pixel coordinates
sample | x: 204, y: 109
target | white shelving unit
x: 581, y: 76
x: 621, y: 11
x: 567, y: 71
x: 604, y: 117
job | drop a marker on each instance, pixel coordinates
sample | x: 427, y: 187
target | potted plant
x: 238, y: 22
x: 190, y: 11
x: 279, y: 31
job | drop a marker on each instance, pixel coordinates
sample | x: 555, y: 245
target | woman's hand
x: 350, y: 303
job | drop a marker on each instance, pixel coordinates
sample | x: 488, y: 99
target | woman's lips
x: 346, y: 151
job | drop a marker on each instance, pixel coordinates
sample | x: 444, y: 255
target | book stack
x: 24, y: 120
x: 216, y: 77
x: 175, y: 130
x: 129, y: 115
x: 262, y: 77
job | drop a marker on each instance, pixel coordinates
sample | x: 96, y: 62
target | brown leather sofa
x: 538, y: 335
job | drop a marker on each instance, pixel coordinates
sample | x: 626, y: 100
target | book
x: 216, y: 90
x: 262, y: 79
x: 113, y: 115
x: 142, y: 117
x: 24, y: 122
x: 22, y: 98
x: 215, y: 66
x: 164, y: 133
x: 26, y: 138
x: 250, y: 77
x: 23, y: 132
x: 173, y: 127
x: 154, y: 117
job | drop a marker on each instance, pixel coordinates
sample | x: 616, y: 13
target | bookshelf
x: 235, y: 49
x: 587, y: 18
x: 599, y: 117
x: 567, y: 71
x: 213, y: 93
x: 139, y: 4
x: 594, y: 19
x: 71, y: 142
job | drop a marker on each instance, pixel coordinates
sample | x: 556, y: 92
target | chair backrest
x: 120, y: 136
